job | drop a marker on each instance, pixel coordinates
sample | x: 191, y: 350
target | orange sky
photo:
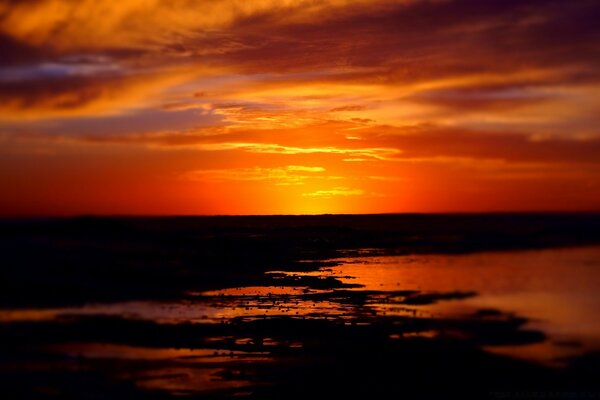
x: 298, y: 106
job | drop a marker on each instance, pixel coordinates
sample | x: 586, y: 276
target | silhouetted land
x: 354, y: 353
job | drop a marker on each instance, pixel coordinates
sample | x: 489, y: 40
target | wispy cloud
x: 336, y: 191
x: 270, y: 148
x: 281, y: 176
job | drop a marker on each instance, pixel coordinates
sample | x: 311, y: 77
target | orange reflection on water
x: 554, y: 289
x: 178, y: 371
x: 119, y: 351
x: 555, y: 285
x: 189, y: 381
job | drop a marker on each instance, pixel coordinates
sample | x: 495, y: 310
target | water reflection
x: 500, y: 301
x: 555, y: 289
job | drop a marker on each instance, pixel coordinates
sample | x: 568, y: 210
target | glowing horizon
x: 151, y: 107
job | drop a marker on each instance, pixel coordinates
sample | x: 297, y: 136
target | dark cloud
x: 487, y: 97
x: 53, y: 94
x: 428, y: 142
x: 56, y: 94
x: 13, y: 52
x: 348, y: 108
x: 422, y: 40
x: 414, y: 40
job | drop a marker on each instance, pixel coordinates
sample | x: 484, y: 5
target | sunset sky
x: 298, y: 106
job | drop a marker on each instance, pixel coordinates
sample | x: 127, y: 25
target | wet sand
x: 405, y: 306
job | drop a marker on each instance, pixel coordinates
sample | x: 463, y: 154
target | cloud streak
x: 280, y: 176
x: 337, y: 191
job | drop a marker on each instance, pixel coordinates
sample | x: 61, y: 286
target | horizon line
x: 465, y: 213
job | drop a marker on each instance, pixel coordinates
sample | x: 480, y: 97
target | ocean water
x: 219, y: 307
